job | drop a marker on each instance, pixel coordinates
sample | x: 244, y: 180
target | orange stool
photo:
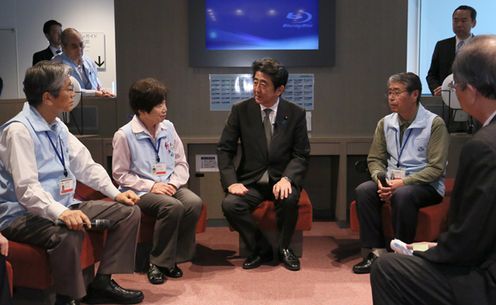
x: 265, y: 216
x: 431, y: 220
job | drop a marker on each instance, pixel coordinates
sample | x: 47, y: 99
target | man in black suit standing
x: 274, y: 158
x: 463, y: 21
x: 461, y: 267
x: 53, y: 31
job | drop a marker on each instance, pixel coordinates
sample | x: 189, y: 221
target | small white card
x: 66, y: 186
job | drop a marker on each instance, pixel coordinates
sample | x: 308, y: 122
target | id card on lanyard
x: 66, y: 184
x: 399, y: 173
x: 159, y: 168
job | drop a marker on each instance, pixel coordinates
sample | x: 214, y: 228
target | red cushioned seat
x: 265, y: 215
x: 10, y: 277
x: 431, y: 220
x: 31, y: 265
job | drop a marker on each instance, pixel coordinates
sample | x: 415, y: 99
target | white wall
x: 27, y: 18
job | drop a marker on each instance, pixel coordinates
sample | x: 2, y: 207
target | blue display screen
x: 262, y: 25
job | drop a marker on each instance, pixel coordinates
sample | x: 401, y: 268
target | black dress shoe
x: 155, y: 275
x: 364, y: 266
x: 255, y: 260
x: 112, y: 293
x: 174, y: 272
x: 289, y: 259
x: 65, y: 300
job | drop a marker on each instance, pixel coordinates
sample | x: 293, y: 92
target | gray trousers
x: 175, y: 225
x: 63, y: 246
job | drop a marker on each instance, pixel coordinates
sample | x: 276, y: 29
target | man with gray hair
x: 410, y: 148
x: 461, y: 267
x: 40, y: 162
x: 84, y: 69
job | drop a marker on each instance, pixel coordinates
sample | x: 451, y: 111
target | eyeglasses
x: 394, y: 93
x: 453, y: 84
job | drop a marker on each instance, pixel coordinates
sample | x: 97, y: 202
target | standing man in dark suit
x: 464, y: 19
x: 53, y: 31
x: 274, y: 159
x: 461, y: 267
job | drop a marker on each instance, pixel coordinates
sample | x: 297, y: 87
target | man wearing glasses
x: 410, y: 148
x: 40, y: 162
x: 83, y: 67
x: 461, y: 267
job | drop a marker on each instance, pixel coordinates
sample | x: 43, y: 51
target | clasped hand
x: 385, y: 193
x: 163, y: 188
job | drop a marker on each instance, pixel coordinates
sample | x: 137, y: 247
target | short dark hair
x: 277, y: 72
x: 475, y: 64
x: 145, y: 94
x: 410, y: 80
x: 49, y: 24
x: 44, y: 76
x: 473, y: 12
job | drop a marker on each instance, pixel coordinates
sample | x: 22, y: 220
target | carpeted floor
x: 216, y: 276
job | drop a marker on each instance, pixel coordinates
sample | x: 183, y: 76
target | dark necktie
x: 268, y: 136
x: 267, y: 126
x: 459, y: 45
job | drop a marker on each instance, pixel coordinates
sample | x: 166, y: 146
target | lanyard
x: 156, y: 148
x: 60, y: 155
x: 402, y: 147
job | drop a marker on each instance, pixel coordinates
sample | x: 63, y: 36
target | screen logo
x: 299, y: 19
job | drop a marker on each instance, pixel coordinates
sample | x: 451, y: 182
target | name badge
x: 159, y: 169
x: 398, y: 174
x: 66, y: 186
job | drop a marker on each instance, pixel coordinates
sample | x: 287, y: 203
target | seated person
x: 83, y: 68
x: 52, y: 30
x: 40, y: 162
x: 461, y: 267
x: 5, y: 297
x: 271, y: 167
x: 148, y: 157
x: 410, y: 146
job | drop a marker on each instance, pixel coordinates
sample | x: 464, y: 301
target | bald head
x: 72, y: 44
x: 475, y: 65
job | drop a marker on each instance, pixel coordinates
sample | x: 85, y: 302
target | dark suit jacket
x: 287, y: 155
x: 42, y: 55
x: 442, y: 59
x: 467, y: 250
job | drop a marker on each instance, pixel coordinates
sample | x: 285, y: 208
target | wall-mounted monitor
x: 236, y: 32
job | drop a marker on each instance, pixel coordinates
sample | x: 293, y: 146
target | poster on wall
x: 228, y: 89
x: 94, y: 47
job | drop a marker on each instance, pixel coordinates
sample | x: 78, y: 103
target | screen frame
x: 200, y: 56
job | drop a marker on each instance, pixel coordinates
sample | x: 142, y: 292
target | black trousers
x: 237, y: 210
x: 405, y: 203
x: 398, y: 279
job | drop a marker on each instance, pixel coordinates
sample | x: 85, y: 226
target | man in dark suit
x: 53, y: 31
x: 463, y: 20
x: 461, y: 267
x: 274, y: 159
